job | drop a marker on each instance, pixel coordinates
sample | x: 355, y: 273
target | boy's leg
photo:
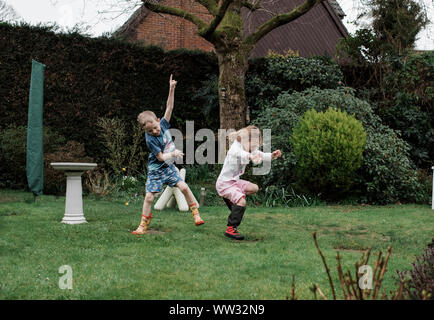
x: 153, y: 185
x: 146, y: 214
x: 183, y: 187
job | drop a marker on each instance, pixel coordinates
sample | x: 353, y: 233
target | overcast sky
x: 105, y: 16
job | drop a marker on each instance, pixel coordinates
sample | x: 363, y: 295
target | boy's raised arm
x: 170, y: 99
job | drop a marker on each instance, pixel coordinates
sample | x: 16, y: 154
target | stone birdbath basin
x: 74, y: 192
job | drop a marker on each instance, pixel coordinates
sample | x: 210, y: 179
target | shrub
x: 409, y: 107
x: 86, y: 78
x: 268, y: 77
x: 273, y: 196
x: 55, y: 180
x: 13, y: 140
x: 386, y: 175
x: 328, y: 148
x: 119, y: 151
x: 420, y: 279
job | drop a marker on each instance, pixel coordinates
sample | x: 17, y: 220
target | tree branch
x: 217, y: 19
x: 159, y: 8
x: 252, y: 6
x: 210, y: 5
x: 280, y: 20
x: 325, y: 265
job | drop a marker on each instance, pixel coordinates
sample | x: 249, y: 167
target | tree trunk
x: 232, y: 99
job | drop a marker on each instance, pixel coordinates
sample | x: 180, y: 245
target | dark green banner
x: 35, y: 151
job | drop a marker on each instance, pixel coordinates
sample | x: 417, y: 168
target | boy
x: 161, y: 169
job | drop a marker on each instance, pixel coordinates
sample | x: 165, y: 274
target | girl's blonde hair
x: 245, y: 133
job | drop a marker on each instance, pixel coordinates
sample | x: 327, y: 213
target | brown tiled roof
x: 314, y: 33
x: 337, y: 8
x: 131, y: 24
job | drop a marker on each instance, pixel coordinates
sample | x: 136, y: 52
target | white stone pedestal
x: 74, y: 192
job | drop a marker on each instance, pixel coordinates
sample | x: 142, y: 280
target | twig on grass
x: 320, y: 292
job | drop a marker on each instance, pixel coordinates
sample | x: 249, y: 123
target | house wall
x: 172, y: 32
x: 315, y: 33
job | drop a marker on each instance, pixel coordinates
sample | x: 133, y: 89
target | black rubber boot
x: 232, y: 232
x: 234, y: 221
x: 236, y: 215
x: 228, y: 203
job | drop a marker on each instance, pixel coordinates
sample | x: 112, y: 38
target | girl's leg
x: 235, y: 219
x: 183, y: 187
x: 251, y: 188
x: 238, y: 209
x: 146, y: 214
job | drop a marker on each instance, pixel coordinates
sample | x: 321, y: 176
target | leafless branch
x: 325, y: 265
x: 7, y: 13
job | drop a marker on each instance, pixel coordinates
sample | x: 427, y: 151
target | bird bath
x: 74, y: 192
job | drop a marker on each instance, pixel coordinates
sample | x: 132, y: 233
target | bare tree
x: 7, y: 13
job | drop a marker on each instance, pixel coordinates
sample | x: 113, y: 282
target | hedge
x: 87, y: 78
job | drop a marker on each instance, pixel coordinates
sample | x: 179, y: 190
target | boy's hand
x: 170, y: 99
x: 177, y: 153
x: 172, y: 83
x: 276, y: 154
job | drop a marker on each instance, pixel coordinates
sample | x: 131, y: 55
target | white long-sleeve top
x: 236, y: 161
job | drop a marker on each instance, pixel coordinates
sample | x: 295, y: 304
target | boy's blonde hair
x: 245, y: 133
x: 146, y: 116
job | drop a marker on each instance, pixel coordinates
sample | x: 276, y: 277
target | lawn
x: 181, y: 261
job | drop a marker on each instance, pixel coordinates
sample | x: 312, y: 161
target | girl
x: 229, y: 185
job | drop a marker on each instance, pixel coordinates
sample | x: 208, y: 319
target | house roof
x: 131, y: 24
x: 314, y: 33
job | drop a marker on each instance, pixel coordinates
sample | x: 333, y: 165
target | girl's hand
x: 256, y: 159
x: 172, y: 83
x: 276, y: 154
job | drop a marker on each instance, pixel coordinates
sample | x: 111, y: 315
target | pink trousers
x: 233, y: 190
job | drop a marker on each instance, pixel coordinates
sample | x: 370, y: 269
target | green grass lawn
x: 182, y: 261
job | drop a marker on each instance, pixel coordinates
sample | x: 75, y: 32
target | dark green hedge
x: 86, y: 78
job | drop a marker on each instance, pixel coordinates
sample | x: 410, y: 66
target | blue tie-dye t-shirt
x: 163, y: 143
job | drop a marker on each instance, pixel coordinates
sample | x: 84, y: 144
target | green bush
x: 268, y: 77
x: 272, y: 196
x: 13, y: 140
x: 328, y: 149
x: 55, y: 180
x: 121, y: 153
x: 87, y: 78
x: 387, y: 174
x: 410, y: 107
